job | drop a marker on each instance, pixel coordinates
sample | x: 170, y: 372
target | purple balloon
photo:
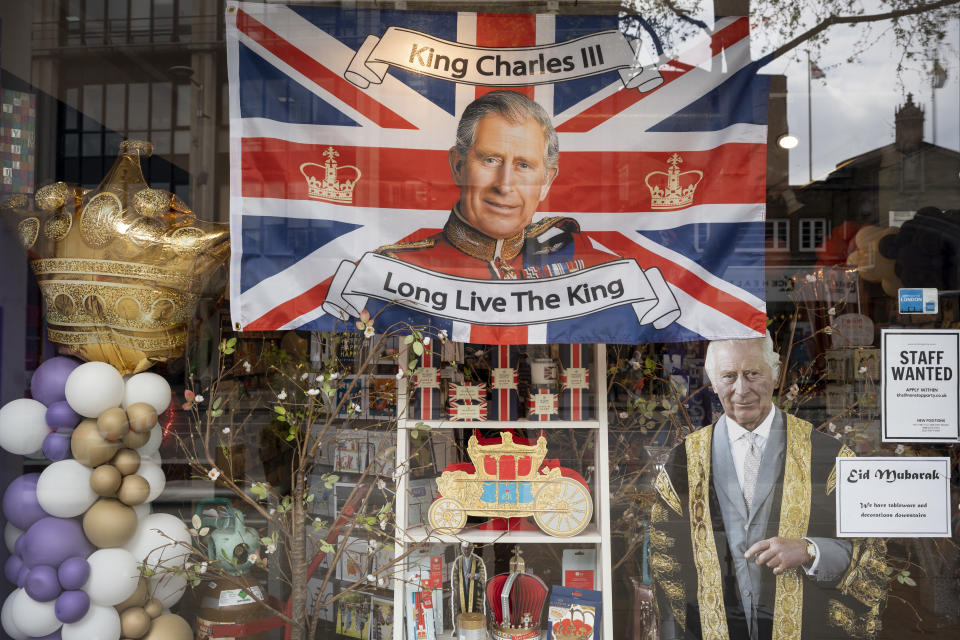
x: 53, y: 636
x: 53, y: 540
x: 56, y: 446
x: 11, y: 570
x: 73, y: 573
x: 71, y: 606
x: 41, y: 584
x: 20, y: 505
x: 61, y: 416
x: 50, y: 379
x: 22, y: 575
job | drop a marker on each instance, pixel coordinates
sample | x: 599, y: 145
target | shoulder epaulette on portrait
x: 550, y: 235
x: 561, y: 223
x: 388, y: 249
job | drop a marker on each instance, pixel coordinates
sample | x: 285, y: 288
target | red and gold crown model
x: 121, y: 266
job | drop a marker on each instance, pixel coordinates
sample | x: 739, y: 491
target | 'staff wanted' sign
x: 921, y: 388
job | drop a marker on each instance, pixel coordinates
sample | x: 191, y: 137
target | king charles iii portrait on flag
x: 504, y: 161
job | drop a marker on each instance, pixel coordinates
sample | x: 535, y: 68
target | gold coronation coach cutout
x: 329, y: 187
x: 679, y: 188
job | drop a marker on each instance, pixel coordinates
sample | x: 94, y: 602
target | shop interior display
x: 499, y: 473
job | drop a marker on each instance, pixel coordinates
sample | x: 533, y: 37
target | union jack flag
x: 293, y: 116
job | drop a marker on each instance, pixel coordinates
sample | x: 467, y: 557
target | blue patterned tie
x: 751, y: 468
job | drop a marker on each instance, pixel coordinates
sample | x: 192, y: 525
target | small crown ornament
x: 121, y: 266
x: 328, y: 186
x: 678, y: 190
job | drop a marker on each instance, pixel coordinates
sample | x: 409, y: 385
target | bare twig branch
x: 872, y: 17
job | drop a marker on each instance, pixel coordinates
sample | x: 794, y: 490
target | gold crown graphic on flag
x: 120, y: 266
x: 329, y: 187
x: 678, y: 189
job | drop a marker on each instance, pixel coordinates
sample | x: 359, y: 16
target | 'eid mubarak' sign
x: 921, y: 389
x: 897, y: 497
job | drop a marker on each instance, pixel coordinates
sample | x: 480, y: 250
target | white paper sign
x: 921, y: 386
x: 893, y: 497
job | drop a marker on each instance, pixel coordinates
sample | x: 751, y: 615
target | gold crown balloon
x: 120, y: 267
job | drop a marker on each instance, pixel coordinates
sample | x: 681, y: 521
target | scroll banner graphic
x: 498, y: 66
x: 502, y: 302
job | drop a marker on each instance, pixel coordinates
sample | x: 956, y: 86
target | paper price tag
x: 576, y: 378
x: 545, y: 404
x: 504, y: 378
x: 468, y: 392
x: 427, y: 378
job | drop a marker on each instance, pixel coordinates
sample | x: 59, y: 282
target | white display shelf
x: 504, y: 424
x: 590, y: 535
x: 449, y: 635
x: 596, y: 533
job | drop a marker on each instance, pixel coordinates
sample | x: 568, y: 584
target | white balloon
x: 153, y: 474
x: 33, y: 618
x: 150, y: 449
x: 6, y: 618
x: 100, y: 623
x: 23, y: 426
x: 142, y: 510
x: 114, y: 576
x: 94, y: 387
x: 155, y: 541
x: 63, y: 489
x: 167, y: 588
x: 150, y: 388
x: 10, y: 535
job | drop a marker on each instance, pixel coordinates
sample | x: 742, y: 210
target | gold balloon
x: 169, y: 626
x: 142, y: 416
x: 135, y: 623
x: 126, y: 461
x: 53, y: 196
x: 153, y: 607
x: 105, y: 480
x: 113, y: 423
x: 89, y: 447
x: 121, y: 266
x: 134, y: 440
x: 109, y: 523
x: 138, y: 598
x: 133, y: 490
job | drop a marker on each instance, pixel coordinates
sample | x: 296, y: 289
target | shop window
x: 813, y: 232
x: 778, y: 235
x: 98, y: 22
x: 95, y: 118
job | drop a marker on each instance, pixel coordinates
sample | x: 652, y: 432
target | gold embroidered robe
x: 693, y: 576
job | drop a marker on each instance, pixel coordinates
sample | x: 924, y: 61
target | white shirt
x: 740, y: 445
